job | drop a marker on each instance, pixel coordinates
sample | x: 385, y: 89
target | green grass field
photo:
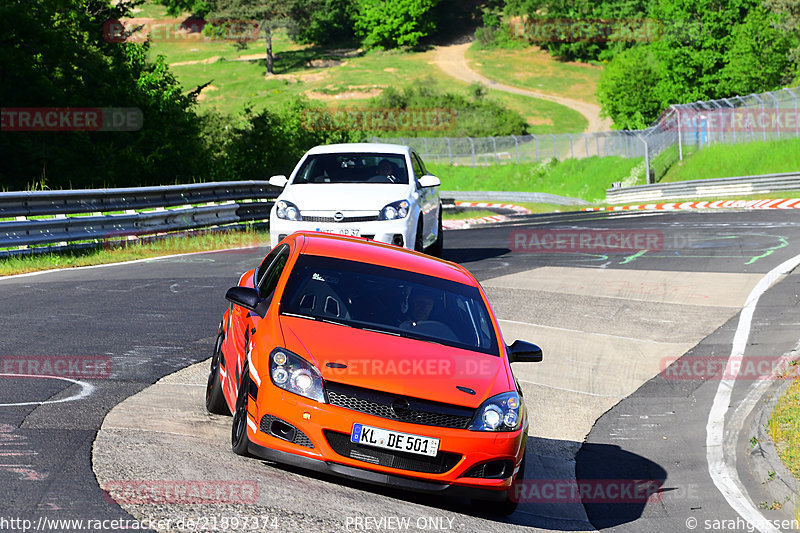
x: 586, y: 179
x: 532, y: 68
x: 727, y: 161
x: 337, y: 77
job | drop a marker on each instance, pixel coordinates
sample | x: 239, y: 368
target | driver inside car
x: 386, y: 171
x: 420, y: 306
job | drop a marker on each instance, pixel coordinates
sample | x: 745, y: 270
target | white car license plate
x: 352, y: 232
x: 394, y: 440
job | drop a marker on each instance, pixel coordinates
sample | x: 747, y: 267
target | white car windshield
x: 353, y: 168
x: 389, y: 300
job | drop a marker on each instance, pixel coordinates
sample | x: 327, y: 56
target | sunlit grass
x: 784, y: 428
x: 132, y: 250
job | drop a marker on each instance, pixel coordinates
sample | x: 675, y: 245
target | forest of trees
x: 662, y: 52
x: 655, y: 53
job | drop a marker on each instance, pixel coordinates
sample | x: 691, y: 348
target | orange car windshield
x: 389, y: 300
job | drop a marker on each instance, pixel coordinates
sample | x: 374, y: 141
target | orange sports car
x: 374, y: 363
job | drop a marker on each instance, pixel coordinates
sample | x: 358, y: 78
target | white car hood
x: 344, y: 196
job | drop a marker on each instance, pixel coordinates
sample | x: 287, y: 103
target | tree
x: 583, y: 29
x: 324, y: 22
x: 759, y: 57
x: 269, y: 14
x: 53, y: 54
x: 628, y: 89
x: 393, y: 23
x: 176, y: 8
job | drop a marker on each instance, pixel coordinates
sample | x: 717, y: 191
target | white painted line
x: 597, y: 395
x: 721, y: 468
x: 86, y: 390
x: 581, y: 331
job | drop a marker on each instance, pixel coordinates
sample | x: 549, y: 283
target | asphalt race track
x: 612, y: 408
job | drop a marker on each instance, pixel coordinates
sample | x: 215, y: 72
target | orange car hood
x: 395, y: 364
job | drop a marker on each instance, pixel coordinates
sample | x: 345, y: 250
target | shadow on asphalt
x: 609, y: 467
x: 614, y: 484
x: 470, y: 255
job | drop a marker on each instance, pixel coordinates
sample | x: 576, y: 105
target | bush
x: 475, y: 114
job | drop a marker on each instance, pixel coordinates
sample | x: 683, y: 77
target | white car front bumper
x: 388, y: 231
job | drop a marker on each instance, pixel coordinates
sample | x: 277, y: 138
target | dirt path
x: 452, y: 61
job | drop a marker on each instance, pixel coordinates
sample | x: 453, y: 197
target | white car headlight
x: 287, y: 211
x: 395, y: 210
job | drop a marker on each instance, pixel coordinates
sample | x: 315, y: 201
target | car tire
x: 215, y: 399
x: 437, y: 247
x: 509, y: 505
x: 419, y: 237
x: 239, y: 438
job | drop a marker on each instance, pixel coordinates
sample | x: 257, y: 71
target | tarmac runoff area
x: 604, y: 333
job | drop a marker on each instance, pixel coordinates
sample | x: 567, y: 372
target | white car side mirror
x: 279, y: 181
x: 429, y: 181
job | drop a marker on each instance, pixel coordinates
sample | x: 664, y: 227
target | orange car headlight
x: 292, y: 373
x: 498, y: 413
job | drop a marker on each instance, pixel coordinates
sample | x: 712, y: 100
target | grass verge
x: 725, y: 161
x: 784, y: 428
x: 586, y: 179
x: 218, y: 240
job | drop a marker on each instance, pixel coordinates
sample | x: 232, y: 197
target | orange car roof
x: 377, y: 253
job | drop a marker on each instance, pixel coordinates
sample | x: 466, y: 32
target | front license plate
x: 352, y: 232
x: 394, y: 440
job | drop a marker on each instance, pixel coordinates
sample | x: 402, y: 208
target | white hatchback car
x: 378, y: 191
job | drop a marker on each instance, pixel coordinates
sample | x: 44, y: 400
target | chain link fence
x: 681, y: 129
x: 481, y: 151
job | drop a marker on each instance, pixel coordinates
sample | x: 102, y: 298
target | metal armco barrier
x: 41, y: 216
x: 710, y: 188
x: 510, y: 196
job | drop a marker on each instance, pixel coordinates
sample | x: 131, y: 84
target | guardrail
x: 710, y: 188
x: 40, y: 219
x: 511, y: 196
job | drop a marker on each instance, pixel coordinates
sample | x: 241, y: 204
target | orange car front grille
x: 401, y: 408
x: 341, y: 444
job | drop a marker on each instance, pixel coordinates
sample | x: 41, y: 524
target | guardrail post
x: 516, y: 146
x: 680, y: 133
x: 449, y: 149
x: 796, y: 116
x: 472, y: 149
x: 648, y: 178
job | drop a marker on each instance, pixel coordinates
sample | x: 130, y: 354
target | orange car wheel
x: 215, y: 400
x: 239, y: 439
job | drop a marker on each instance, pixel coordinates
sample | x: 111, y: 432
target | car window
x: 389, y: 300
x: 419, y: 168
x: 352, y: 168
x: 264, y: 266
x: 268, y: 282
